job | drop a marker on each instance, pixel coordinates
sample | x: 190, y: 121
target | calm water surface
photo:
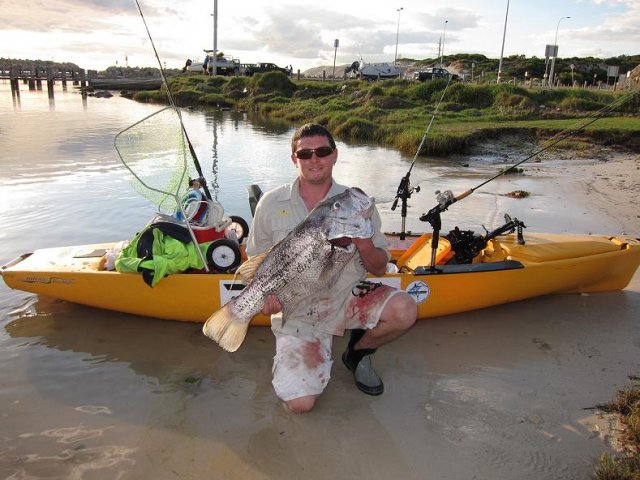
x: 93, y: 394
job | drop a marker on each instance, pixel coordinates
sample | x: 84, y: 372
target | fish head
x: 345, y: 216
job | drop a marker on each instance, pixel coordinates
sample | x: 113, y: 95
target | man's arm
x: 374, y: 259
x: 260, y: 238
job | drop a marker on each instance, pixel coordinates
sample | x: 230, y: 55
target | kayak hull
x: 504, y: 272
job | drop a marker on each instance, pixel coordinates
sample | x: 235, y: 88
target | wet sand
x: 501, y: 393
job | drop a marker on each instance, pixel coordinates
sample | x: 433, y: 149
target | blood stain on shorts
x: 363, y: 301
x: 312, y: 354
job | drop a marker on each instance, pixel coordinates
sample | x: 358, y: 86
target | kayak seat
x: 552, y: 251
x: 419, y: 253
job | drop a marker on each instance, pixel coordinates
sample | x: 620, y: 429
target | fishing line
x: 176, y: 109
x: 435, y: 112
x: 405, y: 189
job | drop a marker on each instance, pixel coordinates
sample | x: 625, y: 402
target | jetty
x: 34, y: 76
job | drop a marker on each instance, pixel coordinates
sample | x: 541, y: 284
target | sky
x: 96, y: 34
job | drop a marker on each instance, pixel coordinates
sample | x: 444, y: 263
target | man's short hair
x: 311, y: 130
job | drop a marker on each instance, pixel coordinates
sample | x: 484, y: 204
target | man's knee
x: 404, y: 311
x: 302, y: 404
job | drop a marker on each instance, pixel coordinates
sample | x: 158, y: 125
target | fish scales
x: 306, y: 261
x: 292, y: 274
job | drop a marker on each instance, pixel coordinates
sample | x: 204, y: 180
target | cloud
x: 60, y: 15
x: 296, y: 32
x: 457, y: 19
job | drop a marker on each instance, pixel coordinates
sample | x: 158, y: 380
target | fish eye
x: 336, y: 205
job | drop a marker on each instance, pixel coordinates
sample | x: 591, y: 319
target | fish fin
x: 226, y: 330
x: 285, y: 315
x: 248, y: 269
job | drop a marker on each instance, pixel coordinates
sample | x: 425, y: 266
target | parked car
x: 433, y: 73
x: 224, y: 66
x: 373, y: 71
x: 262, y: 67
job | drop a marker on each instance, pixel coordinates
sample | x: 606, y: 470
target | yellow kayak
x: 503, y: 271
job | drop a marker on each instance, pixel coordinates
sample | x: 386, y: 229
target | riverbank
x: 396, y: 113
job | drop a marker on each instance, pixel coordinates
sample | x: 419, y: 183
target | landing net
x: 156, y: 153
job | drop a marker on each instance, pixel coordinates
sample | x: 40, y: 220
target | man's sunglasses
x: 307, y: 153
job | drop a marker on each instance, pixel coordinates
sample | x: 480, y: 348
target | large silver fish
x: 308, y: 259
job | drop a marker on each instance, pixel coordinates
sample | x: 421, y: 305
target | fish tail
x: 227, y: 331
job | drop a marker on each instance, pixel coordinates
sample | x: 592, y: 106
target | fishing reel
x: 510, y: 226
x: 444, y: 199
x: 405, y: 190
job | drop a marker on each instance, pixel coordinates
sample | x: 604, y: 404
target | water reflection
x: 216, y: 120
x: 271, y: 126
x: 107, y: 341
x: 15, y: 97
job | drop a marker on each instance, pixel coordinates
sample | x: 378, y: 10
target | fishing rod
x: 203, y: 182
x: 447, y: 198
x: 405, y: 189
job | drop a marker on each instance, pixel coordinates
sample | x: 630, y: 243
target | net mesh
x: 156, y: 153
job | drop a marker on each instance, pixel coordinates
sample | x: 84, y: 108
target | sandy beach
x: 503, y: 393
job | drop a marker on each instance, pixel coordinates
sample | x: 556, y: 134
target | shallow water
x: 95, y: 394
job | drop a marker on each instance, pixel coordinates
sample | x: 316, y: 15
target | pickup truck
x: 262, y: 67
x: 433, y: 73
x: 223, y: 66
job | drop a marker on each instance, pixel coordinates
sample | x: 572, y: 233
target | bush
x: 216, y: 81
x: 509, y: 88
x: 338, y: 104
x: 451, y: 107
x: 480, y: 96
x: 187, y: 97
x: 375, y: 91
x: 273, y: 97
x: 510, y: 102
x: 580, y: 104
x: 235, y: 84
x: 270, y: 82
x: 389, y: 102
x: 151, y: 96
x: 216, y: 99
x: 307, y: 91
x: 207, y: 88
x: 235, y: 94
x: 424, y: 91
x: 356, y: 128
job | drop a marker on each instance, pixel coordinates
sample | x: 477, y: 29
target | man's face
x: 315, y: 170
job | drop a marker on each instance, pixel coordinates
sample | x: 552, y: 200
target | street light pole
x: 444, y: 35
x: 555, y: 53
x: 214, y: 68
x: 395, y: 58
x: 336, y: 43
x: 504, y: 35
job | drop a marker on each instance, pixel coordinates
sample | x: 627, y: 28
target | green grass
x: 626, y: 465
x: 397, y: 112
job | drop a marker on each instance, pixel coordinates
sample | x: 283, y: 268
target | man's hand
x: 374, y: 259
x: 271, y: 305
